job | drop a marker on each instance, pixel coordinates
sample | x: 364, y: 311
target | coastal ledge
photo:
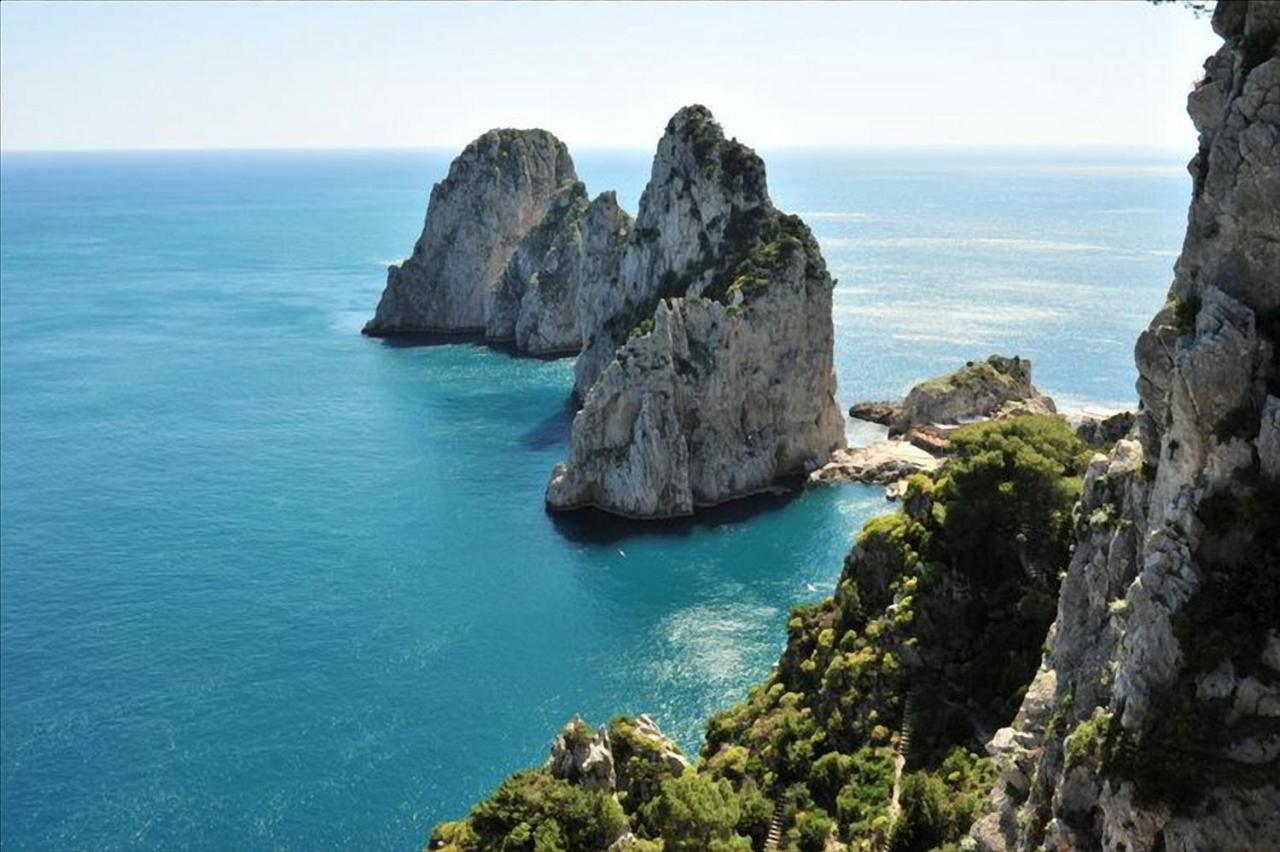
x: 882, y: 463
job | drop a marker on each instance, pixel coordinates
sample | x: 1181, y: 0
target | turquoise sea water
x: 267, y: 584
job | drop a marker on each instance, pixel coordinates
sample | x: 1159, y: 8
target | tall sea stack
x: 707, y: 371
x: 497, y: 190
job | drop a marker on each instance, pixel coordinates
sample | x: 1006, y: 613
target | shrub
x: 512, y: 817
x: 923, y: 822
x: 692, y: 811
x: 1185, y: 312
x: 1085, y: 742
x: 1009, y: 491
x: 812, y: 830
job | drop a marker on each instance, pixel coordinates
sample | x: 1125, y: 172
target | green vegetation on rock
x: 947, y: 600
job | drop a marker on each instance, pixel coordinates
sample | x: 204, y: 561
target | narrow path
x: 774, y: 837
x: 900, y: 763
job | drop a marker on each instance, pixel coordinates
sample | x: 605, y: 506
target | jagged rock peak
x: 704, y: 203
x: 497, y: 190
x: 707, y: 374
x: 1155, y: 720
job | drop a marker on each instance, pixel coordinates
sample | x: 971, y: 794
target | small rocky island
x: 998, y: 386
x: 721, y: 381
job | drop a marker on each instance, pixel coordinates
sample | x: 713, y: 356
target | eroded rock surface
x: 998, y: 386
x: 497, y: 190
x: 709, y: 374
x: 597, y: 760
x: 882, y: 412
x: 882, y: 463
x: 1162, y: 731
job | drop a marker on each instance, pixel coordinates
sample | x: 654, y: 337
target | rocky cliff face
x: 497, y: 190
x: 606, y: 230
x: 722, y: 378
x: 705, y: 198
x: 1155, y: 719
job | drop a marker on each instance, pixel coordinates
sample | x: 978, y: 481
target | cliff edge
x: 1154, y: 722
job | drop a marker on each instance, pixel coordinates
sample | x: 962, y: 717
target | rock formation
x: 881, y: 463
x: 883, y: 412
x: 721, y: 381
x: 606, y: 232
x: 597, y: 759
x: 497, y: 190
x: 1155, y: 720
x: 534, y: 302
x: 1102, y: 431
x: 979, y: 389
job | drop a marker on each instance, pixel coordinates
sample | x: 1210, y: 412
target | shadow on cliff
x: 593, y: 526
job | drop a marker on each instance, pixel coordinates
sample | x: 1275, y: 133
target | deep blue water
x: 269, y: 584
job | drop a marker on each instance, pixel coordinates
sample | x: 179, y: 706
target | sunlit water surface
x: 269, y: 584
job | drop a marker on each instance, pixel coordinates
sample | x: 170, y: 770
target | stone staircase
x: 774, y: 837
x: 899, y: 763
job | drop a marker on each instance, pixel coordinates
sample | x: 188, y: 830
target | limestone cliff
x: 497, y: 190
x: 1155, y: 719
x: 722, y: 380
x: 704, y: 200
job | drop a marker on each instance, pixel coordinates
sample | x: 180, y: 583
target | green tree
x: 692, y: 811
x: 1007, y: 496
x: 812, y: 830
x: 924, y: 821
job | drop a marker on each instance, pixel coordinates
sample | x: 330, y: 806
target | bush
x: 923, y: 822
x: 692, y: 811
x: 1185, y: 312
x: 512, y: 818
x: 1009, y: 491
x: 812, y: 830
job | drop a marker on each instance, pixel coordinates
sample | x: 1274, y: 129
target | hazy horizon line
x: 852, y: 146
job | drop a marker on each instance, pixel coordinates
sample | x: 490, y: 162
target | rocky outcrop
x: 497, y: 190
x: 534, y: 303
x: 597, y: 760
x: 723, y: 380
x: 699, y: 214
x: 569, y: 260
x: 607, y: 230
x: 997, y: 386
x: 1104, y: 431
x: 882, y: 412
x: 582, y: 756
x: 882, y: 463
x: 1163, y: 730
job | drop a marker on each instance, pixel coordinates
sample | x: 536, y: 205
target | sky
x: 335, y: 75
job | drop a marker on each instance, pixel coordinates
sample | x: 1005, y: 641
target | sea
x: 269, y: 584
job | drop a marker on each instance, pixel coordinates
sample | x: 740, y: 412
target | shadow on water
x: 425, y: 339
x: 553, y: 431
x: 594, y: 526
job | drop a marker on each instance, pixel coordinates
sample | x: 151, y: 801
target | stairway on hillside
x: 774, y: 837
x: 899, y: 763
